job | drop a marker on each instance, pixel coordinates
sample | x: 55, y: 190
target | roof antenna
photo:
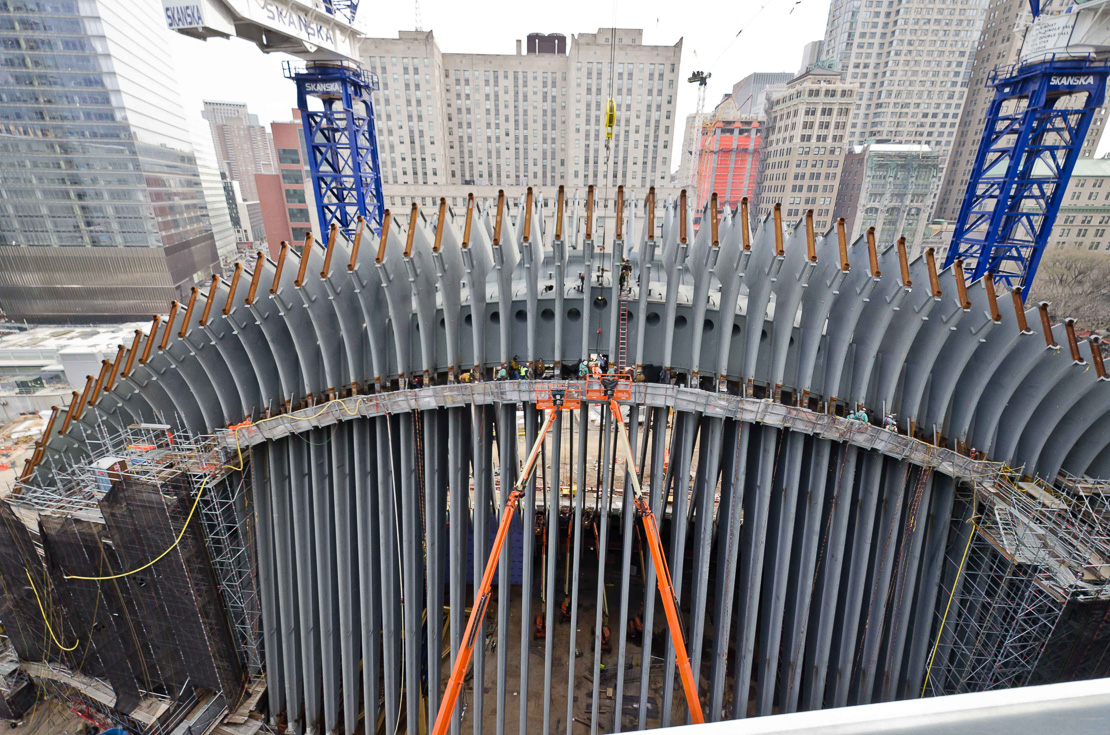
x: 419, y: 25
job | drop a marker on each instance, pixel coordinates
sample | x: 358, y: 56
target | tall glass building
x: 103, y: 215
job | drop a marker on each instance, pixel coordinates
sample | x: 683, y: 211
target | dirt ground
x: 49, y: 717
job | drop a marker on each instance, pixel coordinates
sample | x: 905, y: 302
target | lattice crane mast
x: 1035, y: 128
x: 339, y: 134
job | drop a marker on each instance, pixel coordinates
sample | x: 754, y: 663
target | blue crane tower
x: 1035, y: 127
x: 333, y: 91
x: 341, y: 142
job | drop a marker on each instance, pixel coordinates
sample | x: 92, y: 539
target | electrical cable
x: 45, y: 619
x: 948, y: 607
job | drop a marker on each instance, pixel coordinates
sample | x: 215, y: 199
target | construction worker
x: 503, y: 373
x: 890, y: 423
x: 583, y: 369
x: 541, y: 369
x: 465, y: 377
x: 862, y: 415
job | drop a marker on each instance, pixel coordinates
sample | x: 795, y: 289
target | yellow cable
x: 200, y: 491
x: 940, y: 631
x: 46, y: 620
x: 156, y: 559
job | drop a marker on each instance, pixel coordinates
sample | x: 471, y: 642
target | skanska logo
x: 184, y: 16
x: 1071, y: 81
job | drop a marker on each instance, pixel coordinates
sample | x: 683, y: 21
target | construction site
x: 279, y: 497
x: 578, y: 460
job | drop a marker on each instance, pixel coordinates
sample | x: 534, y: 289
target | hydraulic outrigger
x: 563, y: 397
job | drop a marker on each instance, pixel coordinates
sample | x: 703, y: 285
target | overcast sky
x: 772, y: 34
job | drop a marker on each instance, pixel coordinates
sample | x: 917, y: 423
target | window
x: 294, y: 196
x: 289, y: 156
x: 292, y: 176
x: 300, y: 232
x: 298, y: 214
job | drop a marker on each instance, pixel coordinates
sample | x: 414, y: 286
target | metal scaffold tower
x: 341, y: 142
x: 1034, y: 131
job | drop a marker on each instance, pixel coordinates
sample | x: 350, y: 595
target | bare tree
x: 1076, y: 284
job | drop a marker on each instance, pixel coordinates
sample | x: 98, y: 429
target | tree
x: 1076, y: 284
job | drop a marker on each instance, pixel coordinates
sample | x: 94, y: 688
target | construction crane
x: 700, y: 78
x: 610, y: 389
x: 340, y: 137
x: 1035, y: 128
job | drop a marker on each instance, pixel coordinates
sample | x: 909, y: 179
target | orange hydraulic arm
x: 610, y: 388
x: 555, y: 399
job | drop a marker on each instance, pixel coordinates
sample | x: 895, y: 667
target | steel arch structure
x: 812, y: 554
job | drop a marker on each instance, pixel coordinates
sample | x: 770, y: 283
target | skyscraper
x: 536, y: 118
x: 243, y: 146
x: 887, y: 186
x: 102, y: 212
x: 999, y: 45
x: 804, y: 146
x: 912, y: 62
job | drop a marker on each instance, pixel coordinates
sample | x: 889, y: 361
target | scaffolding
x: 157, y: 454
x: 1032, y: 550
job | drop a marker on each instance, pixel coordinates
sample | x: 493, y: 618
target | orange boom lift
x: 562, y: 397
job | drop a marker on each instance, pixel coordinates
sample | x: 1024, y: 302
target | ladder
x: 622, y: 335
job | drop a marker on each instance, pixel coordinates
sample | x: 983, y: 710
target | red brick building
x: 288, y: 207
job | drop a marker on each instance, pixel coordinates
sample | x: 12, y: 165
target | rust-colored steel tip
x: 256, y: 278
x: 356, y: 244
x: 1073, y: 343
x: 333, y: 232
x: 1046, y: 324
x: 410, y: 239
x: 386, y: 219
x: 282, y: 254
x: 811, y: 238
x: 961, y: 285
x: 174, y: 306
x: 209, y: 301
x: 992, y: 297
x: 441, y: 218
x: 157, y: 320
x: 229, y: 303
x: 306, y: 254
x: 1096, y: 356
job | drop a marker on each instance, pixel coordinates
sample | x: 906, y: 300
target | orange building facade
x: 728, y: 162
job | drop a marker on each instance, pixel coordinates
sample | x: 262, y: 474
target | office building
x: 1084, y: 219
x: 888, y: 186
x: 220, y: 212
x: 811, y: 55
x: 237, y: 206
x: 104, y: 214
x: 449, y: 124
x: 999, y: 45
x: 805, y: 144
x: 912, y: 62
x: 285, y: 197
x: 243, y: 146
x: 749, y: 95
